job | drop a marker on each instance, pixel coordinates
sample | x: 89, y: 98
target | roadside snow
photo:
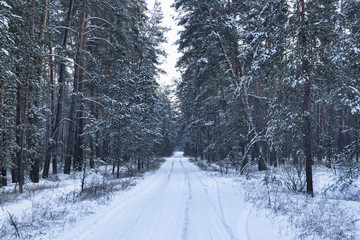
x: 45, y: 208
x: 333, y: 213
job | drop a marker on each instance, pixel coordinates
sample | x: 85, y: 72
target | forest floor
x: 45, y: 209
x: 182, y: 201
x: 333, y: 213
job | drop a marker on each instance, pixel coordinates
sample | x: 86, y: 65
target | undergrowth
x: 326, y: 216
x: 333, y: 214
x: 43, y: 217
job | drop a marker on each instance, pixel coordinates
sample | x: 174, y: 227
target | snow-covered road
x: 179, y: 201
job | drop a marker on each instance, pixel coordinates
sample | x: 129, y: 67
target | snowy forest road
x: 179, y: 201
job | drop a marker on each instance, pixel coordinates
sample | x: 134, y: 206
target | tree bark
x: 3, y: 180
x: 79, y: 83
x: 118, y: 168
x: 306, y: 104
x: 56, y: 134
x: 92, y: 148
x: 34, y: 168
x: 14, y: 169
x: 20, y: 135
x: 273, y: 158
x: 42, y: 37
x: 51, y: 145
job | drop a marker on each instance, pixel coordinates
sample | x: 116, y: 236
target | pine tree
x: 260, y: 59
x: 7, y: 92
x: 347, y: 92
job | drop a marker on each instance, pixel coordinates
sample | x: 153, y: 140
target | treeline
x: 77, y: 86
x: 270, y: 81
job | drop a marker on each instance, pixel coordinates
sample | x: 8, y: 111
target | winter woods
x: 265, y: 82
x: 77, y: 86
x: 270, y: 82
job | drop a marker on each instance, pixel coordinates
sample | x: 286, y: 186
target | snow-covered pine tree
x: 151, y: 36
x: 273, y: 55
x: 207, y: 76
x: 59, y: 14
x: 7, y: 93
x: 25, y: 29
x: 166, y: 123
x: 112, y: 64
x: 346, y: 95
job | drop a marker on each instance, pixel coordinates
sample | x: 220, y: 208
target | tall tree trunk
x: 139, y: 164
x: 118, y: 168
x: 306, y: 104
x: 34, y: 171
x: 3, y: 180
x: 14, y: 169
x: 20, y: 132
x: 273, y: 158
x: 70, y: 139
x: 3, y: 177
x: 42, y: 37
x: 51, y: 149
x: 92, y: 148
x: 31, y: 119
x: 53, y: 113
x: 79, y: 84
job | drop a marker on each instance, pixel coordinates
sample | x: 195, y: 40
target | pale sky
x: 170, y: 47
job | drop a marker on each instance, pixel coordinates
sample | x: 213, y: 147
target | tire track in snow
x: 142, y: 191
x: 197, y: 176
x: 222, y: 211
x: 247, y: 224
x: 221, y: 217
x: 142, y: 188
x: 186, y: 224
x: 186, y: 214
x: 151, y: 194
x: 139, y: 214
x: 171, y: 170
x: 178, y: 202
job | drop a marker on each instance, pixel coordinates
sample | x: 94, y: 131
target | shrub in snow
x: 346, y: 187
x: 293, y: 176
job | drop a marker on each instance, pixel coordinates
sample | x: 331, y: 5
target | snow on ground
x: 332, y: 214
x: 179, y: 201
x: 45, y: 208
